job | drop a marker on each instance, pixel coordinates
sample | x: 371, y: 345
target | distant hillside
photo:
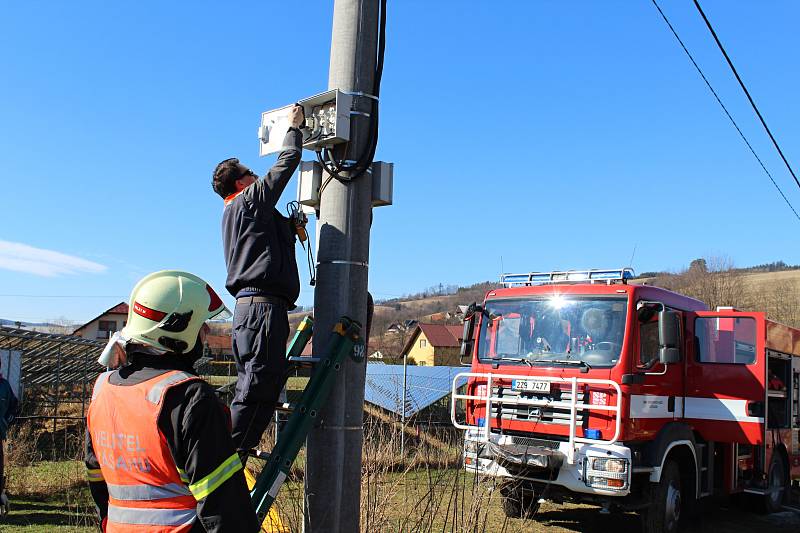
x: 771, y: 287
x: 777, y: 266
x: 13, y: 323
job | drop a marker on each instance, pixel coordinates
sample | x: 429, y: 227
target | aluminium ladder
x: 303, y: 414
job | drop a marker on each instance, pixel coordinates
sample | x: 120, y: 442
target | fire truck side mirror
x: 465, y: 356
x: 669, y: 329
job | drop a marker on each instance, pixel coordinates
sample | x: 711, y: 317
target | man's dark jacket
x: 258, y: 241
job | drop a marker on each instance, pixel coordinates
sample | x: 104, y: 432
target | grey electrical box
x: 311, y: 176
x: 382, y: 183
x: 327, y: 122
x: 308, y: 183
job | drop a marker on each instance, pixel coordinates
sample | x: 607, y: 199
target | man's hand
x: 296, y: 116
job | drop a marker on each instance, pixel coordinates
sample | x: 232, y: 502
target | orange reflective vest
x: 147, y: 491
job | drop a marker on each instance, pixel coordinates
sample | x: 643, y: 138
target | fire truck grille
x: 548, y: 415
x: 531, y: 441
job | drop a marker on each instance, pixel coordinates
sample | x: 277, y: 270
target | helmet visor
x: 217, y: 308
x: 223, y: 313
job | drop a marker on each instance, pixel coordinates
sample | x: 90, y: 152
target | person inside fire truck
x: 551, y: 333
x: 597, y: 324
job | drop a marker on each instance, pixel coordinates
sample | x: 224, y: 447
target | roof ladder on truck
x: 264, y: 488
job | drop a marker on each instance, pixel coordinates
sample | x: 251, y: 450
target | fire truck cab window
x: 556, y: 331
x: 648, y: 343
x: 725, y: 340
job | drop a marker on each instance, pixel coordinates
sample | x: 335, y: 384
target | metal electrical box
x: 308, y: 183
x: 382, y: 183
x: 311, y: 177
x: 327, y: 122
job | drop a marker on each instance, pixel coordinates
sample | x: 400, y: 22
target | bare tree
x: 712, y: 280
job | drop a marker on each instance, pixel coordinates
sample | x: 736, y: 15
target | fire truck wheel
x: 664, y: 513
x: 518, y: 502
x: 776, y: 483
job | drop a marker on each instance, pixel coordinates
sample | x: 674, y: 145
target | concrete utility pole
x: 333, y: 464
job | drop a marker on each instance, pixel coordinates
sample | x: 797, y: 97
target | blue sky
x: 548, y: 134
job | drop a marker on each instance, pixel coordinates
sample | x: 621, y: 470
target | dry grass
x: 427, y: 490
x: 46, y: 494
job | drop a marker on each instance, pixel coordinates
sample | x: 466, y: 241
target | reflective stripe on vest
x: 155, y: 393
x: 220, y: 475
x: 150, y: 517
x: 101, y: 379
x: 147, y: 492
x: 184, y: 476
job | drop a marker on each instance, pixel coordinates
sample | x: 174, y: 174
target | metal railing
x: 572, y: 405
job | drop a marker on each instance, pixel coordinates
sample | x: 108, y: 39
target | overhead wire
x: 725, y: 109
x: 746, y: 92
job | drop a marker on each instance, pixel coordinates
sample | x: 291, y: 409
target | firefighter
x: 159, y: 453
x: 8, y: 410
x: 258, y: 245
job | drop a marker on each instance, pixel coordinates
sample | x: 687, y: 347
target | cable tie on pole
x: 343, y: 262
x: 362, y: 94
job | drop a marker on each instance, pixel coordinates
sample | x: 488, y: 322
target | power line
x: 725, y: 109
x: 746, y: 92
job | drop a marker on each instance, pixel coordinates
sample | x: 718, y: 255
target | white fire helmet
x: 168, y: 308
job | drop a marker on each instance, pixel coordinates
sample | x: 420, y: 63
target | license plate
x: 530, y: 385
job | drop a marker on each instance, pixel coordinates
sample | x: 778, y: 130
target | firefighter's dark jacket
x: 196, y: 428
x: 259, y: 241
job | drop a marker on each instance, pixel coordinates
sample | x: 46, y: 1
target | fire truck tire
x: 777, y: 483
x: 518, y: 502
x: 664, y: 513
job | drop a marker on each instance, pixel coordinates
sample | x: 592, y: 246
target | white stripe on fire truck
x: 729, y: 410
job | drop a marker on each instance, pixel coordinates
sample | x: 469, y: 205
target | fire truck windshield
x: 553, y: 331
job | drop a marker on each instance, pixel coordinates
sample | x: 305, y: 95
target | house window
x: 423, y: 343
x: 106, y: 328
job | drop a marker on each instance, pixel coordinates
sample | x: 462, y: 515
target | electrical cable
x: 725, y: 109
x: 355, y: 170
x: 746, y: 92
x: 299, y: 220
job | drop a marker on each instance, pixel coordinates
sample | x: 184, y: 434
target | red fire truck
x: 585, y: 387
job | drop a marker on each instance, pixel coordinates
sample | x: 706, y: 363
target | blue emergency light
x: 568, y: 276
x: 595, y: 434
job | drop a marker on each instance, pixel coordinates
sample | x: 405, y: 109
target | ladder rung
x: 289, y: 407
x: 260, y: 454
x: 304, y: 360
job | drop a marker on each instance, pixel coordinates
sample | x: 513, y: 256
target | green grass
x: 48, y: 496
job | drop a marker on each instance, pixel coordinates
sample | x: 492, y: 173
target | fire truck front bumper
x: 596, y: 469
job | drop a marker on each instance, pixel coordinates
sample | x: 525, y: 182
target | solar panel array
x: 425, y: 385
x: 54, y: 368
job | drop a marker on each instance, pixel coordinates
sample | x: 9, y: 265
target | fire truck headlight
x: 615, y: 466
x: 606, y: 473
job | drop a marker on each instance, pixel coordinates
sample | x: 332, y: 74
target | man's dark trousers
x: 260, y: 332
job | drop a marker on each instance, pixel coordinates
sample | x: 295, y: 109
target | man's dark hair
x: 225, y: 176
